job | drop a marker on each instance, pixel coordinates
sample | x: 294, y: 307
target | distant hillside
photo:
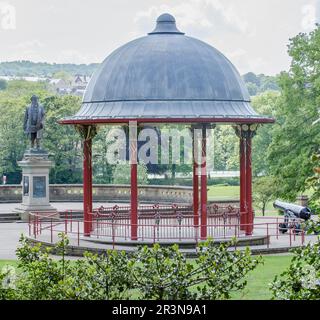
x: 43, y: 69
x: 256, y: 83
x: 260, y: 83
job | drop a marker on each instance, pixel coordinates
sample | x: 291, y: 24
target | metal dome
x: 166, y: 75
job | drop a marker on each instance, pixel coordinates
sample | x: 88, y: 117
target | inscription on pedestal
x: 39, y: 187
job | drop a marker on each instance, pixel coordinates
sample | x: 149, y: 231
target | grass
x: 8, y: 262
x: 233, y: 193
x: 258, y: 280
x: 224, y: 193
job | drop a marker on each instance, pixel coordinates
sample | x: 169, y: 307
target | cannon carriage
x: 293, y: 216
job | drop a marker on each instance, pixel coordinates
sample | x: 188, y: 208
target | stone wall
x: 101, y: 193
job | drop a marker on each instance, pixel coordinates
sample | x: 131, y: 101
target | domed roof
x: 166, y: 75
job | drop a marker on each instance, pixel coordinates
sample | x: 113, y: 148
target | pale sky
x: 253, y: 34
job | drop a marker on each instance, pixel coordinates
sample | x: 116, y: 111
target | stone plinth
x: 35, y: 184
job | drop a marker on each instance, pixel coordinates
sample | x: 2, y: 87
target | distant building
x: 79, y: 84
x: 61, y: 86
x: 76, y: 86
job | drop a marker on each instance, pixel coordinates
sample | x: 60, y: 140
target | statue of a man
x: 34, y: 122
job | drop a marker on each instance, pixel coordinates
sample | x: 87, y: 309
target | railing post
x: 78, y: 233
x: 65, y: 225
x: 97, y: 224
x: 29, y: 222
x: 112, y: 228
x: 51, y: 231
x: 290, y: 237
x: 34, y: 227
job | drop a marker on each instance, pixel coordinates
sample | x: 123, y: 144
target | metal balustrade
x: 160, y: 224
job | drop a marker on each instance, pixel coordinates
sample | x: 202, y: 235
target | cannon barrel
x: 299, y: 211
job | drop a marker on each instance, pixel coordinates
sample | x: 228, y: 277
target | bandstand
x: 167, y: 77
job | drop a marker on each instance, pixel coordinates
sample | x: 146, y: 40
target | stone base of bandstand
x: 35, y: 185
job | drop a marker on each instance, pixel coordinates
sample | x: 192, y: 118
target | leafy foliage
x: 43, y: 69
x: 150, y: 273
x: 122, y: 174
x: 225, y: 153
x: 295, y: 138
x: 266, y: 104
x: 3, y: 84
x: 301, y: 281
x: 264, y: 190
x: 165, y: 274
x: 258, y: 84
x: 313, y: 182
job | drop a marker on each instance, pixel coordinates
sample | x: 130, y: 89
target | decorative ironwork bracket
x: 246, y: 131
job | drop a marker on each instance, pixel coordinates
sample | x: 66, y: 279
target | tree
x: 225, y: 152
x: 250, y: 77
x: 252, y: 88
x: 266, y: 104
x: 122, y: 174
x: 295, y: 138
x: 63, y: 75
x: 3, y: 84
x: 62, y: 142
x: 257, y: 84
x: 301, y: 281
x: 313, y: 182
x: 264, y: 189
x: 102, y: 170
x: 44, y: 69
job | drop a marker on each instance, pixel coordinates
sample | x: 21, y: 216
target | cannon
x: 293, y: 214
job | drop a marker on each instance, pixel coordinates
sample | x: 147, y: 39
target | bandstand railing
x: 158, y: 224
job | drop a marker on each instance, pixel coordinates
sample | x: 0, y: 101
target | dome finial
x: 166, y: 23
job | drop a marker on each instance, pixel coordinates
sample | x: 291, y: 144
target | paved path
x: 9, y: 239
x: 10, y: 232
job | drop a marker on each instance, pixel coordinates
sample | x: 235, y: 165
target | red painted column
x: 195, y: 180
x: 87, y: 186
x: 90, y: 185
x: 203, y: 232
x: 249, y: 219
x: 134, y: 181
x: 243, y: 200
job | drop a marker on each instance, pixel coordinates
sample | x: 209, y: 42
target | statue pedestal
x: 35, y: 184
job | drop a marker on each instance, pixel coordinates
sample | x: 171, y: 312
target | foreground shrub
x: 150, y: 273
x: 164, y: 273
x: 301, y: 281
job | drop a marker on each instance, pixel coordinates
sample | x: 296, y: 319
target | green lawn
x: 258, y: 280
x: 8, y: 262
x: 233, y: 193
x: 224, y: 193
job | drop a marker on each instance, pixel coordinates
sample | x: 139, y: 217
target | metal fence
x: 160, y: 224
